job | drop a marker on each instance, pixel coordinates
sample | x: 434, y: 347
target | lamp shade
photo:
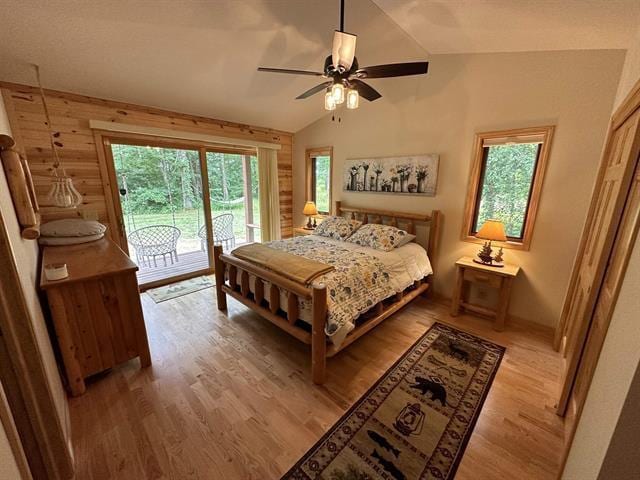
x: 492, y: 230
x: 310, y: 209
x: 344, y: 49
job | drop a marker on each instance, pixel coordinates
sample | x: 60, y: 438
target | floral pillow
x: 338, y: 228
x: 380, y: 237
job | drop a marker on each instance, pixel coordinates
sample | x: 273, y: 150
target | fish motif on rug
x: 415, y: 422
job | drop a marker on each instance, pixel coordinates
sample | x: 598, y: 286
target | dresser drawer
x: 481, y: 277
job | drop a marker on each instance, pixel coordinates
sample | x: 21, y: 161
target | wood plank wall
x: 70, y: 115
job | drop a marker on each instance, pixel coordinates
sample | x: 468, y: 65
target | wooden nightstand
x: 301, y: 231
x: 500, y: 278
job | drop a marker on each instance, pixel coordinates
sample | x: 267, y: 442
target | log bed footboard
x: 267, y: 302
x: 227, y: 269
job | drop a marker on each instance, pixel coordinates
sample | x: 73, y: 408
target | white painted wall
x: 630, y: 71
x: 620, y: 356
x: 8, y: 464
x: 617, y: 365
x: 440, y: 112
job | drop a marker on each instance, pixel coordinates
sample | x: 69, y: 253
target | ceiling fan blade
x: 393, y: 70
x: 344, y: 49
x: 364, y: 90
x: 314, y: 90
x: 286, y: 70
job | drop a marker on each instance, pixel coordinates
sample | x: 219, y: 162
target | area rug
x: 162, y: 294
x: 415, y: 422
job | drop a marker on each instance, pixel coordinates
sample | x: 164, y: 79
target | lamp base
x: 309, y: 225
x: 490, y: 264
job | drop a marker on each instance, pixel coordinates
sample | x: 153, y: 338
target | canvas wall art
x: 405, y: 175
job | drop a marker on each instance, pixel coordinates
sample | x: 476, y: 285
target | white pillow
x: 69, y: 240
x: 72, y: 227
x: 409, y: 237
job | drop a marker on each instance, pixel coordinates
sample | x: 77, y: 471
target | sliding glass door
x: 163, y: 215
x: 235, y: 202
x: 170, y: 216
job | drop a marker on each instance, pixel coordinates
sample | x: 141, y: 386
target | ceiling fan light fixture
x: 353, y: 99
x: 337, y: 91
x: 329, y: 102
x: 342, y: 72
x: 344, y: 49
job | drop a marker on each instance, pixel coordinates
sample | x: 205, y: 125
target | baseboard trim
x: 511, y: 319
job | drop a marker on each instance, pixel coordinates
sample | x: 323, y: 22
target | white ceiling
x: 200, y: 57
x: 480, y: 26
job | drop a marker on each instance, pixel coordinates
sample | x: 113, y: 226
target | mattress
x: 367, y: 275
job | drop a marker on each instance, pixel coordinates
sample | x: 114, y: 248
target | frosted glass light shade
x: 337, y: 92
x: 63, y: 194
x: 353, y: 99
x: 329, y: 102
x: 492, y: 230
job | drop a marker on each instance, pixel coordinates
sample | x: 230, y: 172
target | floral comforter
x: 358, y: 282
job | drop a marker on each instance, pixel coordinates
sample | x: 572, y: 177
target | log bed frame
x: 267, y: 303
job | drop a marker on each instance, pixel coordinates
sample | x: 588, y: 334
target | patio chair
x: 222, y: 232
x: 154, y: 241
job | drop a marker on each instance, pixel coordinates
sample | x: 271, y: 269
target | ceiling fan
x: 344, y: 74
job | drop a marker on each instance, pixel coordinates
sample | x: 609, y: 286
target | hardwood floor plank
x: 230, y: 396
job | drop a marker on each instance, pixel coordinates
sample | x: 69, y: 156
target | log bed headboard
x: 404, y: 220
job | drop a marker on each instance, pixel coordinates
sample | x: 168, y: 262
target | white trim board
x: 177, y: 134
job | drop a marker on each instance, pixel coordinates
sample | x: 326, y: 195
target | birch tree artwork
x: 407, y: 175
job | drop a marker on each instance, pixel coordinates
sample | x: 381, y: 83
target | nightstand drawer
x: 481, y: 277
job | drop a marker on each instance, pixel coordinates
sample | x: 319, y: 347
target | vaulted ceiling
x: 201, y: 57
x: 481, y: 26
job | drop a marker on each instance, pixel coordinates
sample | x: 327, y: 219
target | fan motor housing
x: 331, y: 72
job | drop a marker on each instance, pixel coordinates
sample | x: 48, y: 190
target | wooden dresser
x: 96, y: 310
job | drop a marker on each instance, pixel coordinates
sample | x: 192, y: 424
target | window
x: 318, y: 177
x: 506, y: 179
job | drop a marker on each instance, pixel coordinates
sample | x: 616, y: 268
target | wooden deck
x: 187, y: 263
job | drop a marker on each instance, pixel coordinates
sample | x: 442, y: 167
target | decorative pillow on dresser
x: 338, y: 228
x: 70, y: 231
x: 380, y: 237
x: 72, y: 227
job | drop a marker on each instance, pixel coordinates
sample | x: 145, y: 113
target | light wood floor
x: 230, y: 397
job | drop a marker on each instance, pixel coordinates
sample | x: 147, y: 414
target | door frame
x: 595, y: 335
x: 24, y: 379
x: 630, y: 104
x: 112, y: 194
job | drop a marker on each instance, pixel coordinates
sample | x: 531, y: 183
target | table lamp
x: 491, y: 230
x: 310, y: 210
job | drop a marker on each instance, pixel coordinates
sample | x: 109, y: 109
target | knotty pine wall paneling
x: 70, y: 115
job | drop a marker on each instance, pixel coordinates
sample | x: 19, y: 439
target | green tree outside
x: 323, y: 174
x: 162, y: 186
x: 505, y: 191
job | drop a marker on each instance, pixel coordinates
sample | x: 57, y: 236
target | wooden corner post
x: 318, y: 337
x: 218, y: 265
